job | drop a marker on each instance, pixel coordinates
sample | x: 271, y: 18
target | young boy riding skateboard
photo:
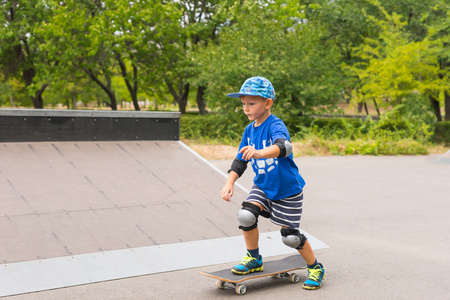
x: 277, y: 192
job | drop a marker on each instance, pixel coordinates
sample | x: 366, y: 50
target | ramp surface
x: 69, y: 198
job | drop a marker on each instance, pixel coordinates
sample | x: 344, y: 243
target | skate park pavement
x: 385, y: 220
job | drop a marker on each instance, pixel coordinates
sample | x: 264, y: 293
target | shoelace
x: 246, y: 260
x: 315, y: 274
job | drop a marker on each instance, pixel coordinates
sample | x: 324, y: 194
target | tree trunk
x: 360, y: 107
x: 28, y: 76
x: 29, y: 72
x: 366, y: 109
x: 376, y: 106
x: 106, y: 87
x: 184, y: 99
x: 37, y: 100
x: 201, y: 101
x: 74, y: 101
x: 132, y: 88
x: 180, y: 96
x: 436, y: 107
x: 447, y: 106
x: 348, y: 91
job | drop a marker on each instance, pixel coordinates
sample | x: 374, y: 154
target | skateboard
x: 275, y: 268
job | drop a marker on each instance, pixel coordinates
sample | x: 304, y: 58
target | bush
x: 338, y: 136
x: 385, y: 147
x: 386, y: 128
x: 442, y: 133
x: 298, y: 127
x: 392, y: 125
x: 225, y: 129
x: 336, y: 123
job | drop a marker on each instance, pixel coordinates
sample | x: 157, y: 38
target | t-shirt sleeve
x: 279, y: 131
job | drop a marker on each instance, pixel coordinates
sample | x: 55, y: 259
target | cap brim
x: 236, y: 95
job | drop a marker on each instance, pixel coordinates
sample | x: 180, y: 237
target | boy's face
x: 256, y: 108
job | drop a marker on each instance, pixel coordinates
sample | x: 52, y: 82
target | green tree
x: 195, y: 26
x: 139, y: 27
x: 441, y: 34
x: 393, y: 66
x: 347, y: 27
x: 76, y: 38
x: 203, y: 20
x: 272, y: 39
x: 417, y: 15
x: 20, y: 55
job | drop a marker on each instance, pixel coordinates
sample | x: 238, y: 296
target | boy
x: 278, y: 186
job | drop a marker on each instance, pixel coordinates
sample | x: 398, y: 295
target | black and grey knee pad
x: 248, y: 216
x: 293, y: 238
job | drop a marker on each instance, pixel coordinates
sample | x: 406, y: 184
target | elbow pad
x: 285, y: 147
x: 238, y: 166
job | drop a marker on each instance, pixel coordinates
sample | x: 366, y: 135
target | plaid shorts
x: 284, y: 212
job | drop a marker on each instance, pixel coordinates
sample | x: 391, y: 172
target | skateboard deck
x: 275, y: 268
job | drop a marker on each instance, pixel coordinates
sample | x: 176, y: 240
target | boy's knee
x: 293, y: 238
x: 248, y: 216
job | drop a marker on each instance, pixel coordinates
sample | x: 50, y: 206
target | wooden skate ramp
x: 68, y: 198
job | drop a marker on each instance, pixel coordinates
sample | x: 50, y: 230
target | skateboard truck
x: 239, y: 288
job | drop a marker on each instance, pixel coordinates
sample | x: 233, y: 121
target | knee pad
x: 248, y: 216
x: 293, y: 238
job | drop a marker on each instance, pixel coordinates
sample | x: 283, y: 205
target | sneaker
x: 315, y: 278
x: 248, y: 265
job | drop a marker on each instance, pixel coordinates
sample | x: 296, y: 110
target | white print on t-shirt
x: 264, y: 165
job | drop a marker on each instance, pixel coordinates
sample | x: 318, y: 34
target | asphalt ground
x: 386, y: 220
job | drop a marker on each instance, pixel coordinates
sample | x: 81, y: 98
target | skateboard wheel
x: 220, y: 284
x: 241, y: 289
x: 275, y: 276
x: 294, y: 278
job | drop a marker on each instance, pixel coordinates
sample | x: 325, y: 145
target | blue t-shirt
x: 278, y: 177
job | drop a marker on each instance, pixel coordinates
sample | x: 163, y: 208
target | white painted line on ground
x: 212, y: 166
x: 52, y: 273
x: 443, y: 158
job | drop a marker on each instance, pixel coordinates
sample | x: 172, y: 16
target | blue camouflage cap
x: 256, y: 86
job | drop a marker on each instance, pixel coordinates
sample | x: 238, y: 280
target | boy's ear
x: 269, y: 103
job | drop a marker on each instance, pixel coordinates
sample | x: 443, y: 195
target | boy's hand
x: 227, y: 192
x: 249, y: 152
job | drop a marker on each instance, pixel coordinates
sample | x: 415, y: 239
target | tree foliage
x: 271, y: 39
x: 316, y: 52
x: 20, y: 58
x: 393, y: 65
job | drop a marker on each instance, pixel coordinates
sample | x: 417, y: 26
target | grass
x: 217, y: 136
x: 315, y: 146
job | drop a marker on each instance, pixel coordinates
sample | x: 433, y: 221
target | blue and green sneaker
x: 315, y: 277
x: 248, y: 265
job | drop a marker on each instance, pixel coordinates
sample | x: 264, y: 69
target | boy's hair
x: 256, y: 86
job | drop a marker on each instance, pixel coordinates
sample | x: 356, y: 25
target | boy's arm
x: 281, y: 148
x: 238, y: 167
x: 250, y: 152
x: 228, y: 189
